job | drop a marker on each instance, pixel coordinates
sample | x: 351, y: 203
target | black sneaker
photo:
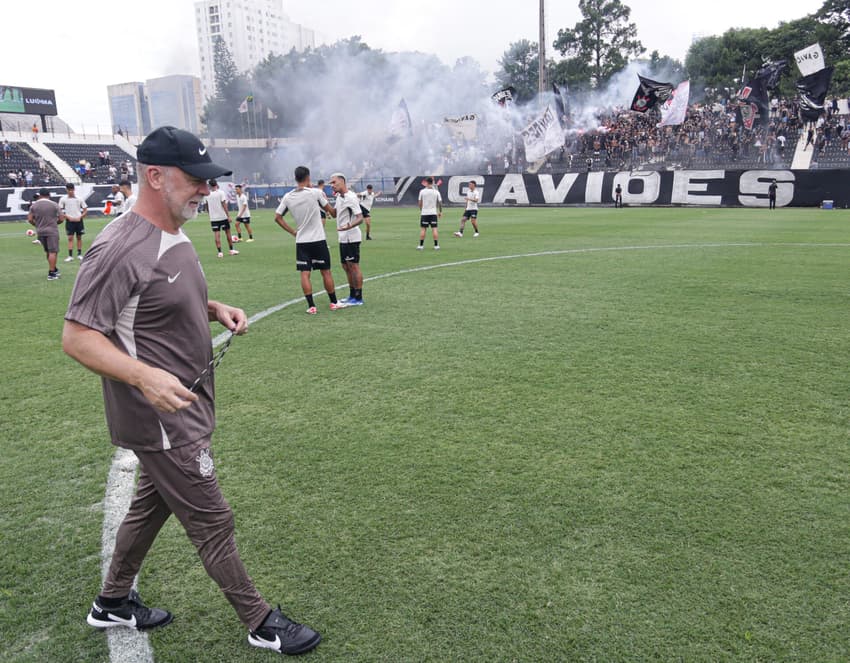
x: 132, y: 613
x: 52, y: 276
x: 281, y: 634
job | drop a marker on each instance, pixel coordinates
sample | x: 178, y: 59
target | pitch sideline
x: 128, y: 646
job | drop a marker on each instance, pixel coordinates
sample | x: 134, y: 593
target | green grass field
x: 635, y: 449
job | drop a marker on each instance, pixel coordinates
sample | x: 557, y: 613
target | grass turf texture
x: 596, y: 456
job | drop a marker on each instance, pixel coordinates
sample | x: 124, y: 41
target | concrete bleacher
x: 22, y: 158
x: 72, y: 153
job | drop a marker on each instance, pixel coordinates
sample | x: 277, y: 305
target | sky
x: 79, y: 48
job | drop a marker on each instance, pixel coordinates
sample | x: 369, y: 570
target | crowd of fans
x: 712, y: 136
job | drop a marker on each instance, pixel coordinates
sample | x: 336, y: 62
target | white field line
x: 128, y: 646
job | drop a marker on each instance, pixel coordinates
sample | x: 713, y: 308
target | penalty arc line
x: 128, y: 646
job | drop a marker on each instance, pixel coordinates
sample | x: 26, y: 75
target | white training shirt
x: 347, y: 208
x: 472, y: 199
x: 367, y: 199
x: 429, y: 197
x: 304, y: 205
x: 118, y: 203
x: 72, y: 207
x: 242, y: 201
x: 216, y: 204
x: 128, y: 204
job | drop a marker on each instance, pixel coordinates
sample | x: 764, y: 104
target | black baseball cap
x: 168, y: 146
x: 43, y: 193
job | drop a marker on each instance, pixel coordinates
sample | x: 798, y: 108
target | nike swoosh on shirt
x: 172, y: 279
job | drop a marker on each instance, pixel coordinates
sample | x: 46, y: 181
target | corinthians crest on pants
x: 205, y: 463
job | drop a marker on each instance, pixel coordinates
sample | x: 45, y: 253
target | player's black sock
x: 310, y: 301
x: 70, y: 253
x: 358, y: 293
x: 436, y: 242
x: 250, y: 236
x: 239, y: 235
x: 110, y: 603
x: 332, y: 297
x: 421, y: 242
x: 352, y: 292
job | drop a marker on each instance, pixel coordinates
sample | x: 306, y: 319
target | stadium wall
x: 705, y: 188
x: 702, y: 188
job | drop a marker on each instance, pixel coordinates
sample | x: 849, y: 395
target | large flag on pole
x: 562, y: 104
x: 543, y: 136
x: 754, y: 97
x: 813, y: 89
x: 243, y: 107
x: 810, y: 59
x: 649, y: 93
x: 673, y: 110
x: 400, y: 124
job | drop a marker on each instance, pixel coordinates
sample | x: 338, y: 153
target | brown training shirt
x: 146, y: 291
x: 45, y: 213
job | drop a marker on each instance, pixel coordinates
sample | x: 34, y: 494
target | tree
x: 224, y: 68
x: 603, y: 40
x: 518, y: 67
x: 667, y: 67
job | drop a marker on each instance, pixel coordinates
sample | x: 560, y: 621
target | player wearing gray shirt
x: 139, y: 317
x: 311, y: 246
x: 44, y: 214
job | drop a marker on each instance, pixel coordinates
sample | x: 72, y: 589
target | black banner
x: 708, y: 188
x: 27, y: 100
x: 15, y: 202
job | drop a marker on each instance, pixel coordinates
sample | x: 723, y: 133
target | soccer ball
x: 30, y: 232
x: 234, y: 238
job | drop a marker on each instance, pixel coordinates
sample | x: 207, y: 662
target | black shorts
x: 470, y: 214
x: 366, y: 213
x: 428, y: 220
x: 224, y: 224
x: 349, y: 253
x: 50, y: 243
x: 312, y: 255
x: 243, y: 219
x: 74, y: 228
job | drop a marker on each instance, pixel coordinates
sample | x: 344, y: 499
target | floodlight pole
x: 541, y: 53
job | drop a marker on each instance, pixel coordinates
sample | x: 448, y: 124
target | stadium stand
x: 73, y: 153
x: 20, y: 158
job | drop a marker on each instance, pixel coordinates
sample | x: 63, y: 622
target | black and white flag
x: 813, y: 89
x: 649, y: 93
x: 463, y: 128
x: 542, y: 136
x: 562, y: 104
x: 502, y: 97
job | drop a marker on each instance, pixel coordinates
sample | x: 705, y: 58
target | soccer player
x: 117, y: 200
x: 44, y: 215
x: 348, y: 220
x: 367, y: 199
x: 129, y: 197
x: 771, y: 194
x: 430, y: 211
x: 473, y: 197
x: 618, y: 196
x: 243, y: 214
x: 219, y: 217
x: 73, y: 211
x: 139, y: 317
x: 311, y: 246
